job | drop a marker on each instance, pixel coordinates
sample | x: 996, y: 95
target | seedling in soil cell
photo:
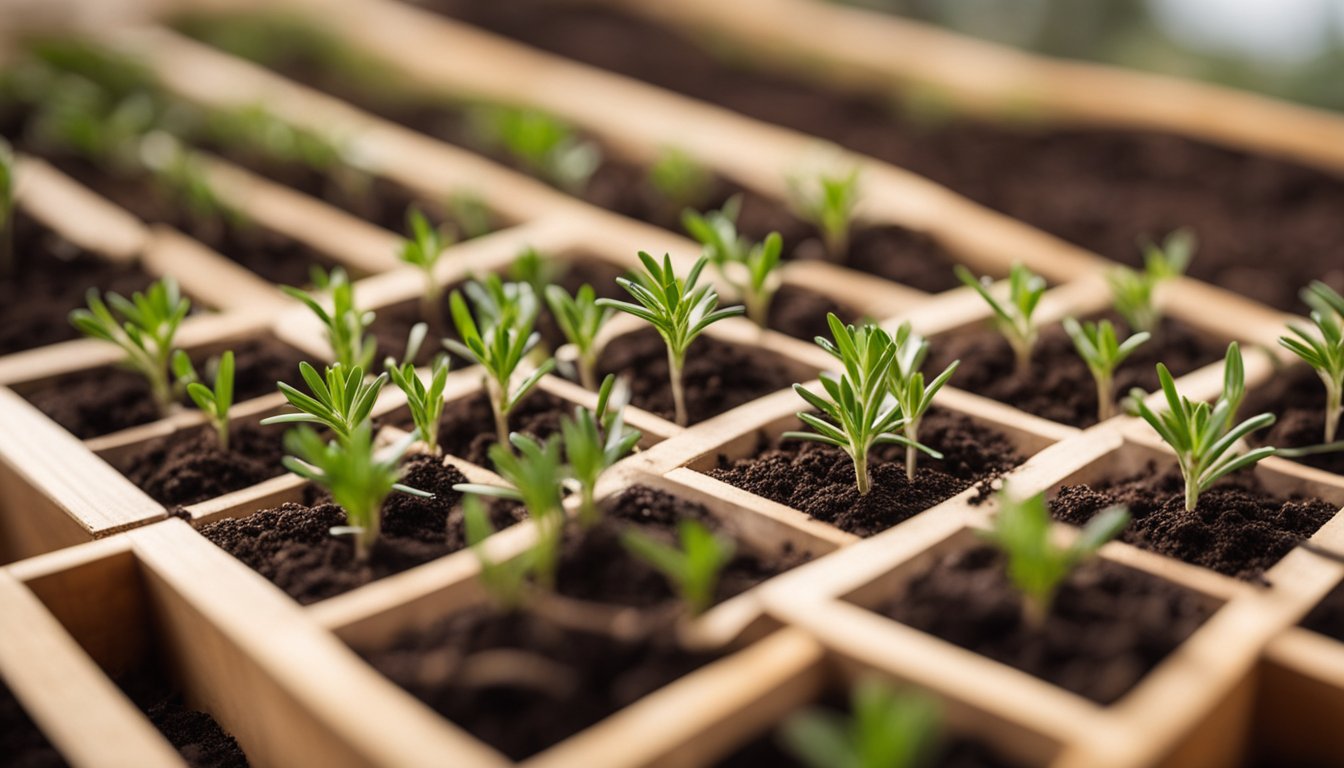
x: 1036, y: 564
x: 677, y: 309
x: 679, y: 180
x: 908, y: 387
x: 827, y: 201
x: 499, y: 342
x: 751, y: 268
x: 885, y: 727
x: 357, y: 480
x: 532, y: 267
x: 342, y: 403
x: 594, y: 441
x: 214, y: 403
x: 692, y: 568
x: 469, y: 213
x: 422, y: 250
x: 1323, y: 351
x: 7, y: 265
x: 1133, y: 291
x: 541, y: 144
x: 346, y: 325
x: 506, y: 581
x: 257, y: 130
x: 424, y: 402
x: 143, y: 327
x: 1206, y: 439
x: 1103, y: 352
x: 580, y: 319
x: 858, y: 411
x: 1014, y: 317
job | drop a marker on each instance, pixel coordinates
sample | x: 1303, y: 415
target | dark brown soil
x: 595, y: 565
x: 1262, y: 222
x: 1238, y: 529
x: 22, y: 745
x: 1107, y: 627
x: 717, y: 376
x: 189, y: 466
x: 1296, y: 396
x: 104, y: 400
x: 52, y: 276
x: 1059, y: 385
x: 292, y: 547
x: 1328, y: 615
x: 467, y: 428
x: 200, y: 740
x: 819, y: 479
x: 471, y: 668
x: 801, y: 313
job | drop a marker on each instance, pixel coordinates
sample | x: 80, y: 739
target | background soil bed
x: 189, y: 466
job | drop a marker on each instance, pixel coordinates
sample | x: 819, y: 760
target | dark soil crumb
x: 189, y: 466
x: 1059, y: 385
x: 467, y: 427
x: 292, y: 547
x: 22, y: 745
x: 521, y: 683
x: 1297, y: 397
x: 1108, y: 626
x: 200, y: 740
x: 819, y: 479
x: 1238, y: 528
x: 718, y: 376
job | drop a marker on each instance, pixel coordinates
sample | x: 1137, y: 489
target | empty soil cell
x: 467, y: 427
x: 1237, y: 529
x: 522, y: 683
x: 105, y: 400
x: 1059, y: 385
x: 1263, y: 223
x: 190, y: 466
x: 21, y: 743
x: 195, y: 734
x: 596, y: 566
x: 50, y: 277
x: 1107, y: 626
x: 717, y: 376
x: 292, y: 546
x: 1297, y: 397
x: 1328, y: 615
x: 819, y: 479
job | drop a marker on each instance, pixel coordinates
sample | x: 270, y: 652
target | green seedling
x: 346, y: 326
x: 827, y: 201
x: 679, y: 180
x: 532, y: 267
x: 594, y: 441
x: 425, y: 402
x: 470, y: 214
x: 423, y: 249
x: 886, y: 728
x: 1103, y: 352
x: 750, y: 268
x: 906, y: 384
x: 580, y: 319
x: 214, y: 403
x: 342, y: 401
x: 1133, y: 291
x: 506, y: 581
x: 693, y: 568
x: 1323, y: 350
x: 541, y: 144
x: 1014, y: 317
x: 7, y: 265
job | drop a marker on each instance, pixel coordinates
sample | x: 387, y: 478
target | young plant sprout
x: 1324, y: 350
x: 470, y: 213
x: 346, y: 326
x: 7, y: 265
x: 677, y: 309
x: 1132, y: 291
x: 1013, y: 318
x: 580, y: 319
x: 499, y: 343
x: 827, y: 201
x: 906, y: 383
x: 423, y: 250
x: 543, y: 145
x: 505, y: 581
x: 531, y: 267
x: 858, y: 411
x: 424, y: 402
x: 693, y: 568
x: 1103, y: 352
x: 885, y: 727
x: 214, y: 403
x: 342, y: 403
x: 749, y: 268
x: 1206, y: 439
x: 1036, y: 564
x: 595, y: 440
x: 357, y: 480
x: 143, y: 327
x: 680, y: 180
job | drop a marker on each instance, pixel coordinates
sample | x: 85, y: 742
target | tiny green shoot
x: 541, y: 144
x: 143, y: 327
x: 532, y: 267
x: 1323, y: 350
x: 580, y: 319
x: 470, y: 214
x: 505, y: 581
x: 1206, y: 438
x: 678, y: 309
x: 1035, y: 563
x: 692, y: 568
x: 1132, y: 291
x: 7, y: 265
x: 1099, y: 347
x: 425, y: 402
x: 214, y: 403
x: 906, y: 383
x: 423, y: 250
x: 342, y: 400
x: 750, y: 268
x: 679, y: 180
x: 594, y: 441
x: 1014, y: 317
x: 827, y: 201
x: 346, y: 325
x: 886, y: 727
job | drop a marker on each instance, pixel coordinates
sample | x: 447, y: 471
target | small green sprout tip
x: 679, y: 180
x: 580, y: 319
x: 693, y: 567
x: 827, y: 201
x: 906, y: 383
x: 532, y: 267
x: 1103, y: 352
x: 751, y: 268
x: 214, y: 403
x: 470, y: 214
x: 678, y: 309
x: 345, y: 325
x: 1133, y: 291
x: 595, y: 440
x: 425, y: 402
x: 885, y: 727
x: 1014, y: 317
x: 423, y: 249
x: 342, y: 400
x: 506, y: 581
x: 1323, y: 350
x: 541, y: 144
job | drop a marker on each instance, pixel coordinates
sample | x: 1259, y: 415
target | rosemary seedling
x: 906, y: 383
x: 214, y: 403
x: 679, y: 180
x: 1206, y: 439
x: 143, y: 327
x: 425, y: 402
x: 677, y: 309
x: 499, y: 342
x: 858, y: 411
x: 1014, y: 317
x: 827, y: 201
x: 693, y: 568
x: 751, y: 268
x: 1037, y: 565
x: 885, y: 727
x: 541, y: 144
x: 594, y: 441
x: 506, y: 581
x: 470, y: 214
x: 1132, y: 291
x: 1103, y: 352
x: 422, y: 250
x: 580, y: 319
x: 346, y: 325
x: 532, y: 267
x: 1323, y: 350
x: 342, y: 401
x: 357, y: 480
